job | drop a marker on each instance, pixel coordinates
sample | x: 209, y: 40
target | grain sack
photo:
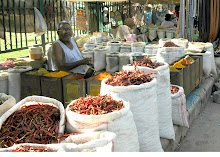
x: 6, y: 102
x: 170, y: 54
x: 125, y: 48
x: 161, y: 33
x: 14, y: 81
x: 151, y: 49
x: 89, y: 142
x: 206, y: 47
x: 152, y: 32
x: 89, y: 45
x: 119, y: 122
x: 180, y: 42
x: 138, y: 47
x: 114, y: 46
x: 112, y: 62
x: 162, y: 73
x: 162, y: 41
x: 124, y: 59
x: 170, y: 33
x: 88, y: 54
x: 100, y: 58
x: 179, y: 113
x: 4, y: 82
x: 207, y: 61
x: 143, y: 104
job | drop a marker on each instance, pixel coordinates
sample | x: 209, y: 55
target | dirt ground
x: 204, y: 133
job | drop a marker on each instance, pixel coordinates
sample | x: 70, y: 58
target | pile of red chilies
x: 129, y: 77
x: 170, y: 44
x: 31, y: 124
x: 147, y: 63
x: 7, y: 64
x: 174, y: 89
x: 26, y: 148
x: 96, y: 105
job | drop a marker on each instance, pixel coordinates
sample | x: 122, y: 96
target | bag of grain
x: 6, y: 102
x: 100, y: 58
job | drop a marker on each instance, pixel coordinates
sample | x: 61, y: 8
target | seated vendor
x: 66, y: 55
x: 124, y: 30
x: 167, y: 23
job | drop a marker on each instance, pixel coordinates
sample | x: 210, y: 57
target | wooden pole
x: 145, y: 5
x: 87, y: 16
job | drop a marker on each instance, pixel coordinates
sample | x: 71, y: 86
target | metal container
x: 73, y: 88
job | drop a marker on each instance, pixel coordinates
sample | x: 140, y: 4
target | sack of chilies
x: 35, y: 119
x: 179, y: 113
x: 104, y: 113
x: 160, y: 71
x: 87, y: 142
x: 143, y: 103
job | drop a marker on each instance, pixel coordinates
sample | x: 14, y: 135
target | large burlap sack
x: 14, y: 81
x: 33, y: 100
x: 179, y: 113
x: 170, y: 54
x: 6, y: 102
x: 138, y: 47
x: 163, y: 95
x: 119, y: 122
x: 143, y: 103
x: 112, y: 62
x: 114, y: 46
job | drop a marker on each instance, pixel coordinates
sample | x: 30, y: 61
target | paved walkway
x: 204, y: 133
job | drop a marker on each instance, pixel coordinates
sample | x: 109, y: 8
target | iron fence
x: 17, y: 20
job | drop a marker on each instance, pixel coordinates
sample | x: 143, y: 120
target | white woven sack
x: 161, y: 33
x: 6, y: 102
x: 179, y: 113
x: 151, y: 49
x: 100, y: 58
x: 162, y: 73
x: 14, y: 81
x: 89, y: 142
x: 152, y: 33
x: 114, y: 46
x: 180, y: 42
x: 4, y: 82
x: 88, y: 54
x: 143, y: 103
x: 208, y: 47
x: 207, y: 61
x: 52, y: 147
x: 125, y: 48
x: 112, y: 62
x: 33, y: 100
x: 89, y: 45
x: 170, y: 54
x: 162, y: 41
x: 138, y: 47
x: 124, y: 59
x: 121, y: 123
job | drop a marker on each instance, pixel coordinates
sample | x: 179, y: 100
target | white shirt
x: 71, y: 56
x: 167, y: 24
x: 122, y: 32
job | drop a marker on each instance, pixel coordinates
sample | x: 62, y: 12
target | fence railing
x: 17, y: 20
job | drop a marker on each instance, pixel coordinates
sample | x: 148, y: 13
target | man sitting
x: 66, y: 55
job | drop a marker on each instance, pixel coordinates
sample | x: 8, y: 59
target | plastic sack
x: 163, y: 95
x: 179, y: 113
x: 4, y: 82
x: 114, y: 46
x: 6, y: 102
x: 119, y: 122
x: 180, y: 42
x: 40, y: 24
x: 100, y: 58
x: 143, y: 104
x: 112, y: 62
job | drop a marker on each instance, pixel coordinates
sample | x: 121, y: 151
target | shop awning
x: 97, y: 0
